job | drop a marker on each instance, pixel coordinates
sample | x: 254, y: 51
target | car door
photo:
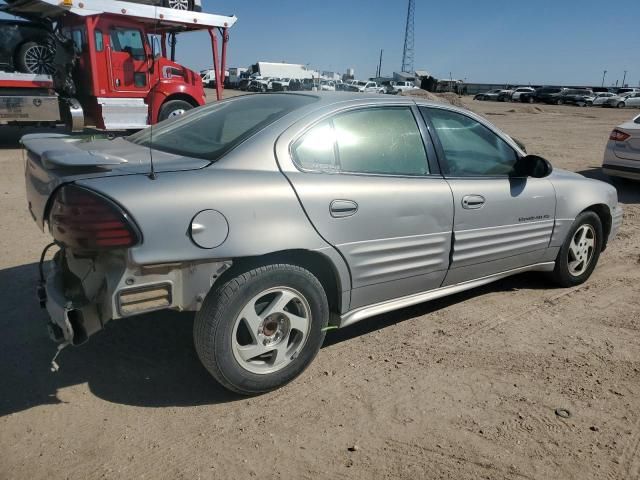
x: 371, y: 187
x: 501, y: 222
x: 633, y: 100
x: 127, y: 59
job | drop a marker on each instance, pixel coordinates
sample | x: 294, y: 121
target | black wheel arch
x: 316, y: 263
x: 604, y: 213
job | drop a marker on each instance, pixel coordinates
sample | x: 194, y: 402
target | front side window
x: 470, y: 148
x: 128, y: 40
x: 385, y: 141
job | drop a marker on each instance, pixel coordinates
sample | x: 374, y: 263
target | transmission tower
x: 407, y: 53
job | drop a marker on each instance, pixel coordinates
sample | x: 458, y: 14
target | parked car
x: 275, y: 239
x: 548, y: 94
x: 365, y: 87
x: 25, y: 47
x: 601, y: 97
x: 631, y: 99
x: 622, y: 91
x: 280, y: 84
x: 490, y: 95
x: 243, y: 84
x: 328, y: 86
x: 400, y: 87
x: 519, y: 91
x: 500, y: 95
x: 505, y: 96
x: 622, y: 155
x: 260, y: 84
x: 575, y: 96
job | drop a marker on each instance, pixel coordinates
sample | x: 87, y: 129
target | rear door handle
x: 343, y: 208
x: 473, y: 202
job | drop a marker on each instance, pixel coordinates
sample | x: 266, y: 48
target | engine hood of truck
x: 53, y: 160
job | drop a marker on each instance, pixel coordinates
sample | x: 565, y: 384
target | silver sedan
x: 622, y: 155
x: 278, y: 217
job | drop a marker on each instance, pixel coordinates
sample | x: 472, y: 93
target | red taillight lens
x: 84, y: 220
x: 618, y: 136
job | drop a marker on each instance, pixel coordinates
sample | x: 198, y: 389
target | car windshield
x: 211, y: 131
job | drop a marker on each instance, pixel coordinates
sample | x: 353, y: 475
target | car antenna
x: 152, y: 172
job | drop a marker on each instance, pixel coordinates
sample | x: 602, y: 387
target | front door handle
x: 343, y: 208
x: 473, y: 202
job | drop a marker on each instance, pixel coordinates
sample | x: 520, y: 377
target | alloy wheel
x: 179, y: 4
x: 271, y: 330
x: 38, y: 59
x: 581, y: 250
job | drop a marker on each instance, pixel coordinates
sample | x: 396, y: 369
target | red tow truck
x: 111, y: 67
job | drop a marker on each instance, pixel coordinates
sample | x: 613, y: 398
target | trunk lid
x: 54, y: 159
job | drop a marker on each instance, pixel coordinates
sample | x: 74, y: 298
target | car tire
x: 178, y: 4
x: 620, y: 105
x: 559, y: 102
x: 35, y: 57
x: 225, y: 343
x: 589, y: 104
x: 577, y: 259
x: 173, y: 108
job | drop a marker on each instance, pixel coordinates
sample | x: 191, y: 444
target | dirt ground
x: 461, y: 388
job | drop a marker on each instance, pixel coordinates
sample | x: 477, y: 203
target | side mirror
x: 532, y: 166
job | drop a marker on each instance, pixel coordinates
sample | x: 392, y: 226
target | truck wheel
x: 261, y: 329
x: 178, y: 4
x: 173, y: 108
x: 34, y: 57
x: 580, y: 252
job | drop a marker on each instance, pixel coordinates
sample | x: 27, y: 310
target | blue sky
x: 544, y: 41
x: 541, y: 41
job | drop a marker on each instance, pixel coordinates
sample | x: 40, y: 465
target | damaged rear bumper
x: 81, y: 294
x: 70, y: 322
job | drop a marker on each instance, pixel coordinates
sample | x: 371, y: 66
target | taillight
x: 85, y: 220
x: 618, y: 136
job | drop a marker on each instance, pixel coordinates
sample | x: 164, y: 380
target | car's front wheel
x: 620, y: 105
x: 580, y: 252
x: 260, y: 329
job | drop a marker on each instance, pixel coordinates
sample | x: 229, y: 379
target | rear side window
x: 385, y: 141
x: 470, y: 148
x: 210, y: 131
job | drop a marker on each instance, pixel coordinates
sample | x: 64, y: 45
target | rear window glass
x: 211, y: 131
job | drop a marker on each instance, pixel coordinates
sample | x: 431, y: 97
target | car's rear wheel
x: 35, y: 57
x: 173, y: 108
x: 178, y: 4
x: 262, y: 328
x: 580, y: 252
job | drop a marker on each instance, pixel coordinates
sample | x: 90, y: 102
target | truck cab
x: 122, y: 76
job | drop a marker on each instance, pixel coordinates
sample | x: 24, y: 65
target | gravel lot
x: 461, y: 388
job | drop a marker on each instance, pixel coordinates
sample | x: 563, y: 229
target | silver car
x: 622, y: 155
x: 278, y: 217
x: 630, y: 99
